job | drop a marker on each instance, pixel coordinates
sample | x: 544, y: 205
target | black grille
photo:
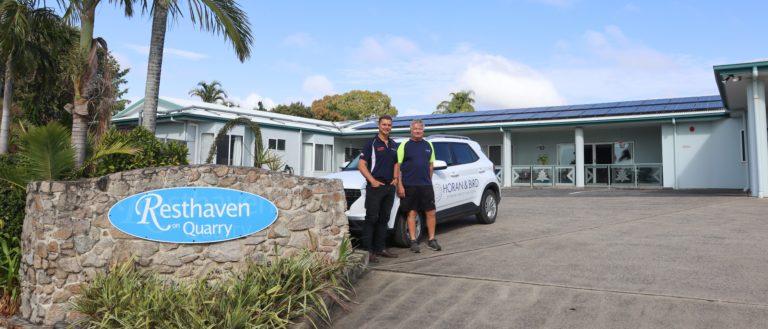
x: 352, y: 195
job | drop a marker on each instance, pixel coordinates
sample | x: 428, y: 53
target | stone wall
x: 67, y: 237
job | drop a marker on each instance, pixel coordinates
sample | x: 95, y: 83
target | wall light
x: 731, y: 78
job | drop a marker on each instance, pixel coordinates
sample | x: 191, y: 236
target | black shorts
x: 419, y: 198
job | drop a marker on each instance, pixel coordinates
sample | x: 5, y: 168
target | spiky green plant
x: 10, y: 259
x: 259, y: 296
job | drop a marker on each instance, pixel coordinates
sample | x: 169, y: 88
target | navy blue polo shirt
x: 414, y: 159
x: 380, y: 158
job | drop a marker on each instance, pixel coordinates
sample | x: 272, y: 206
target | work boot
x: 432, y: 244
x: 387, y: 254
x: 415, y: 246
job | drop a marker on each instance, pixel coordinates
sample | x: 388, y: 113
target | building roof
x: 643, y: 110
x: 169, y: 107
x: 594, y: 111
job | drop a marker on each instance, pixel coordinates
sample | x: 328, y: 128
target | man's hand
x: 376, y: 184
x: 401, y: 192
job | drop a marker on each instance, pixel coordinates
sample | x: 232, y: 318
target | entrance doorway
x: 597, y: 157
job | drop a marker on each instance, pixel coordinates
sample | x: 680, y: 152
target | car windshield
x: 352, y: 165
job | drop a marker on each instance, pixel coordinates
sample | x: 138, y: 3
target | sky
x: 512, y: 54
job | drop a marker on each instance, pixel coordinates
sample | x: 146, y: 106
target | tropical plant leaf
x: 46, y: 153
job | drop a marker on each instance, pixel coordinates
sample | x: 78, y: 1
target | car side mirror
x: 439, y: 165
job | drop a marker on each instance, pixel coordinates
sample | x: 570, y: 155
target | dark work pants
x: 378, y: 205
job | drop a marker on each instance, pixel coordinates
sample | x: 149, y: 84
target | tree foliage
x: 28, y: 40
x: 154, y: 153
x: 209, y: 92
x: 296, y: 109
x: 461, y: 101
x: 353, y: 105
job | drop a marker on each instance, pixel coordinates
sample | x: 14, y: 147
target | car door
x: 440, y: 177
x: 463, y: 176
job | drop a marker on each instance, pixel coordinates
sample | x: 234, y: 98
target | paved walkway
x: 582, y: 259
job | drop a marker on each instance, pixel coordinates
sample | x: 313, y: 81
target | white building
x: 692, y: 142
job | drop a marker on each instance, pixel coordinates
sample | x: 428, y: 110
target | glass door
x: 597, y: 157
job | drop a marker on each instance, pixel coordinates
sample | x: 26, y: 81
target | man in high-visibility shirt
x: 414, y: 167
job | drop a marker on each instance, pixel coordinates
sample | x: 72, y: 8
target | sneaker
x: 415, y: 246
x: 432, y: 244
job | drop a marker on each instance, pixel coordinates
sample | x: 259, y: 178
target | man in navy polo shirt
x: 377, y: 164
x: 414, y: 166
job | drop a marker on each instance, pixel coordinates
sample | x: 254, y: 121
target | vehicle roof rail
x: 447, y: 136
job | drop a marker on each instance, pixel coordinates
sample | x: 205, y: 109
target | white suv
x: 464, y: 181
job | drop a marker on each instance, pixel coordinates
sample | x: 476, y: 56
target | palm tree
x: 27, y: 35
x: 460, y: 102
x: 84, y: 65
x: 45, y: 154
x: 218, y: 16
x: 209, y: 92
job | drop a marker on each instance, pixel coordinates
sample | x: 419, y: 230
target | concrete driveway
x: 582, y: 259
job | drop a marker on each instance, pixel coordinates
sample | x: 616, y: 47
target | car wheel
x: 489, y: 206
x: 402, y: 238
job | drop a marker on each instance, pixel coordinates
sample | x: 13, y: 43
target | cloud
x: 428, y: 78
x: 318, y: 86
x: 372, y: 49
x: 122, y: 59
x: 185, y: 54
x: 299, y: 39
x: 501, y: 83
x: 252, y: 101
x: 173, y: 52
x: 609, y: 65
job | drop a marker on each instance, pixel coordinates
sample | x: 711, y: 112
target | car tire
x: 401, y: 236
x: 489, y: 207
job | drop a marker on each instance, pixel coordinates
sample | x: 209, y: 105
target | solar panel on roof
x: 368, y: 126
x: 631, y: 103
x: 581, y: 107
x: 568, y: 114
x: 594, y: 112
x: 620, y: 110
x: 520, y: 116
x: 542, y: 115
x: 400, y: 124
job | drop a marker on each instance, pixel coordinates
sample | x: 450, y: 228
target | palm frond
x: 14, y: 176
x: 223, y: 17
x: 46, y: 152
x: 102, y: 150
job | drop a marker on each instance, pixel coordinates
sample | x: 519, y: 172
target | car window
x: 352, y: 165
x: 443, y: 152
x: 463, y: 153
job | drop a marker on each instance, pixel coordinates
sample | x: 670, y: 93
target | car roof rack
x: 447, y: 136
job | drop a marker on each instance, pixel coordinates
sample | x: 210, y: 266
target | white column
x: 507, y: 161
x: 756, y: 108
x: 579, y: 145
x: 751, y: 150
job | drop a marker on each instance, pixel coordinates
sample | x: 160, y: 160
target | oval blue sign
x: 192, y: 214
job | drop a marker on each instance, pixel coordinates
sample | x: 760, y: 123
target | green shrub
x: 259, y: 296
x: 154, y: 153
x: 10, y: 259
x: 12, y: 202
